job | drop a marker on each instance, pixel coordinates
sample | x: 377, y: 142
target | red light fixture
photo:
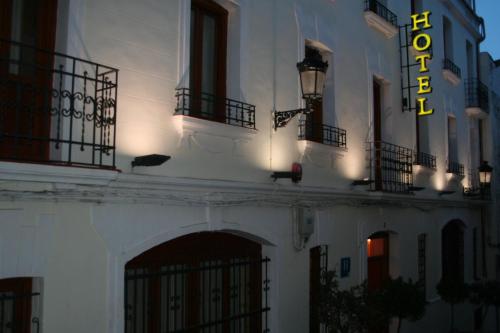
x: 295, y: 175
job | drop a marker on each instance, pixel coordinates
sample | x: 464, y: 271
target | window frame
x: 200, y: 9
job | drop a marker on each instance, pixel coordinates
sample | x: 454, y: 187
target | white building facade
x: 208, y: 239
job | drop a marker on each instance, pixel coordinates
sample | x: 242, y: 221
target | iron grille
x: 56, y: 108
x: 215, y: 296
x: 382, y: 11
x: 391, y: 167
x: 422, y: 243
x: 449, y: 65
x: 476, y: 94
x: 210, y: 107
x: 325, y: 134
x: 425, y: 160
x: 455, y: 168
x: 16, y: 312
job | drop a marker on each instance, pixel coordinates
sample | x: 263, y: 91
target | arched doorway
x: 378, y: 260
x: 452, y: 251
x: 204, y: 282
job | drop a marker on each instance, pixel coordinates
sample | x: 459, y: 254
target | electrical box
x: 305, y: 220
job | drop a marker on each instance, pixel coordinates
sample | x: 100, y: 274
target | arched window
x: 452, y: 251
x: 200, y: 282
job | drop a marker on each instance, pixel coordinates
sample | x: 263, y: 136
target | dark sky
x: 490, y: 11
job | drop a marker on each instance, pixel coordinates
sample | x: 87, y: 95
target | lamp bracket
x: 282, y: 118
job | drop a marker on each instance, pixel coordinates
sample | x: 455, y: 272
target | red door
x: 378, y: 260
x: 26, y: 28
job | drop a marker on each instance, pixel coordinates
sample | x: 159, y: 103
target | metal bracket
x: 282, y: 118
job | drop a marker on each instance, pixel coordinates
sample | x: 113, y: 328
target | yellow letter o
x: 417, y: 38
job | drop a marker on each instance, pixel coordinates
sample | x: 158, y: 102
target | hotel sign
x: 422, y: 43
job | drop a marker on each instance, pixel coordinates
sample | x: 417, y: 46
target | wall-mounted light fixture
x: 150, y: 160
x: 441, y: 193
x: 295, y: 175
x: 362, y: 182
x: 312, y: 72
x: 485, y: 171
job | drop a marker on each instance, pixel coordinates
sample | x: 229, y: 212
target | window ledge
x: 31, y: 172
x: 451, y: 77
x: 306, y: 147
x: 419, y: 169
x: 380, y: 24
x: 476, y: 112
x: 193, y: 125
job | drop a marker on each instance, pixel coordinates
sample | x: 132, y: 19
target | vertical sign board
x: 422, y: 42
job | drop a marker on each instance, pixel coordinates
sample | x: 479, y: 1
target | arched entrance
x: 378, y: 260
x: 452, y: 251
x: 203, y: 282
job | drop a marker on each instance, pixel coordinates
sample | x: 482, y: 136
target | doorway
x: 203, y: 282
x: 378, y: 260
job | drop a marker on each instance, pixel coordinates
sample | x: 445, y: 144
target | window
x: 474, y: 254
x: 447, y: 39
x: 452, y: 251
x: 318, y: 268
x: 314, y: 120
x: 202, y: 282
x: 208, y: 60
x: 470, y: 61
x: 422, y: 254
x: 19, y: 305
x: 452, y: 139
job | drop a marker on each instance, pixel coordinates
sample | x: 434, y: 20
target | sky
x: 490, y: 11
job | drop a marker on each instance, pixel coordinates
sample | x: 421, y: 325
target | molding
x: 451, y: 77
x: 27, y: 172
x: 116, y: 188
x: 380, y: 24
x: 195, y: 125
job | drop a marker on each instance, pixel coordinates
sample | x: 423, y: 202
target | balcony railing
x: 455, y: 168
x: 449, y: 65
x: 382, y: 11
x: 425, y: 160
x: 476, y: 94
x: 214, y: 108
x: 325, y: 134
x: 391, y: 167
x: 56, y: 108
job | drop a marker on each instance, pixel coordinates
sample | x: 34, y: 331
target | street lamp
x: 312, y: 72
x: 485, y: 171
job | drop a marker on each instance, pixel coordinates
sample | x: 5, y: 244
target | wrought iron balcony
x: 382, y: 11
x: 455, y: 168
x: 391, y: 167
x: 210, y: 107
x: 476, y: 95
x: 325, y: 134
x: 425, y: 160
x: 449, y: 65
x: 56, y: 108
